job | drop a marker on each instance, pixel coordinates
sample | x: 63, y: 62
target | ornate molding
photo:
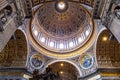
x: 19, y: 19
x: 87, y: 2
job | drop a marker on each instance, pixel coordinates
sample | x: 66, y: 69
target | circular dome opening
x: 61, y: 6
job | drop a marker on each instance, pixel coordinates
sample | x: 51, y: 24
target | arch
x: 28, y: 50
x: 15, y: 52
x: 70, y: 62
x: 101, y: 30
x: 107, y: 50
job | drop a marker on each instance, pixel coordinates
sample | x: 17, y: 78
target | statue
x: 48, y: 75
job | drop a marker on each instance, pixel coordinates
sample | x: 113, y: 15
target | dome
x: 61, y: 31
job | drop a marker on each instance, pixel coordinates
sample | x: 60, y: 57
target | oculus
x: 61, y: 5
